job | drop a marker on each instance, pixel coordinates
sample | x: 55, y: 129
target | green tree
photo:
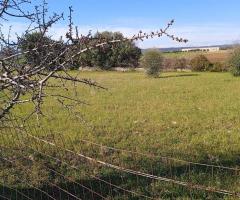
x: 124, y: 54
x: 36, y: 40
x: 152, y: 62
x: 235, y: 62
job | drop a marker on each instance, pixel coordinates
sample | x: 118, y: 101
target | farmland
x: 189, y: 116
x: 139, y: 108
x: 180, y: 114
x: 219, y: 56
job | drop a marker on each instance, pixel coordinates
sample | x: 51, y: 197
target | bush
x: 180, y: 63
x: 219, y: 67
x: 235, y: 62
x: 168, y: 64
x: 200, y: 63
x: 152, y: 61
x: 37, y: 40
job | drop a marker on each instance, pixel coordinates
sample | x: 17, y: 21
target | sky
x: 202, y: 22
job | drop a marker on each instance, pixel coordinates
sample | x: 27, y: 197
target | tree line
x: 125, y: 54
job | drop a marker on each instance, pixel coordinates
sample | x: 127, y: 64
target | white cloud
x: 198, y: 35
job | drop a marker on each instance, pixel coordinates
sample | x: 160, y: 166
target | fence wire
x: 37, y: 164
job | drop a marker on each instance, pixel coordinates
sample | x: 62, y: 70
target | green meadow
x: 185, y: 115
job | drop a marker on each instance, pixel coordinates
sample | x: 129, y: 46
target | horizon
x: 219, y: 24
x: 185, y: 47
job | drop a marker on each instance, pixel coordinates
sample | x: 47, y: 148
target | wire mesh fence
x: 36, y: 164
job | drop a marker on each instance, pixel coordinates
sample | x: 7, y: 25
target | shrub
x: 200, y: 63
x: 37, y: 40
x: 180, y: 63
x: 168, y: 64
x: 219, y: 67
x: 152, y: 61
x: 235, y: 62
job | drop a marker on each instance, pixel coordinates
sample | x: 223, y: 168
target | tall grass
x: 191, y: 116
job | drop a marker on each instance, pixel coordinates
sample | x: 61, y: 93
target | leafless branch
x: 25, y: 81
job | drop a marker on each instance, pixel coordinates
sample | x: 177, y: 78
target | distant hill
x: 176, y: 49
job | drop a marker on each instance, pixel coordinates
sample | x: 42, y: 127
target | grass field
x: 191, y: 116
x: 219, y: 56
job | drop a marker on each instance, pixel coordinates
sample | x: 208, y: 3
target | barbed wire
x: 25, y: 182
x: 92, y: 176
x: 17, y: 191
x: 29, y: 139
x: 235, y: 170
x: 146, y: 175
x: 159, y: 156
x: 149, y: 155
x: 18, y: 140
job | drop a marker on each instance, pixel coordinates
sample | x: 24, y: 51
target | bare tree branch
x: 25, y: 81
